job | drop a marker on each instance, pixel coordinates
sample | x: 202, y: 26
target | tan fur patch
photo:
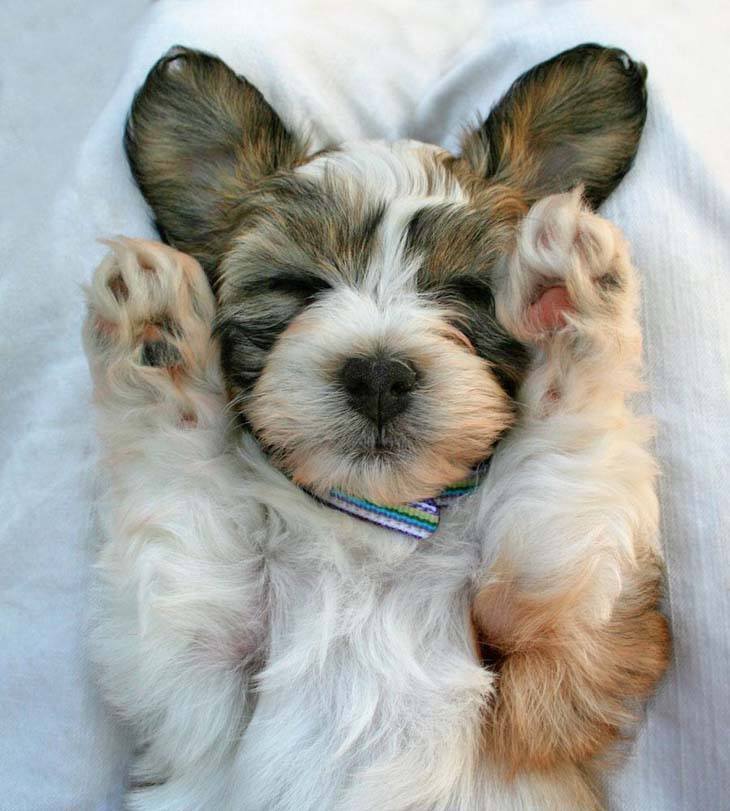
x: 567, y: 691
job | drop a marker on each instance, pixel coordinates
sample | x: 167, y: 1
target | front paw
x: 149, y: 320
x: 570, y: 271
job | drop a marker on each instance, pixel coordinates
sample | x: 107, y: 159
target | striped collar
x: 419, y: 519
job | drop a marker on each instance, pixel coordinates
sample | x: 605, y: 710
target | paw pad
x: 549, y: 309
x: 161, y: 354
x: 188, y: 419
x: 150, y: 308
x: 119, y: 288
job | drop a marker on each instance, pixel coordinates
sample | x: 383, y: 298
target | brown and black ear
x: 576, y: 118
x: 197, y: 138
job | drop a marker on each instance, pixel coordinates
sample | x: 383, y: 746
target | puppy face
x: 360, y: 358
x: 356, y: 286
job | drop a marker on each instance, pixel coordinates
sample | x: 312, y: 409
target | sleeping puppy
x: 380, y: 529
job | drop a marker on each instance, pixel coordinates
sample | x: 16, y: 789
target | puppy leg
x: 179, y: 625
x: 567, y: 609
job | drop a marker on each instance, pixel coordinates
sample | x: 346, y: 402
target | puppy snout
x: 379, y: 387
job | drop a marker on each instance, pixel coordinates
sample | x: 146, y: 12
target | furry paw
x: 570, y: 272
x: 150, y: 312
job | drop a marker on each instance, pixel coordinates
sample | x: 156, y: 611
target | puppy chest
x: 367, y: 648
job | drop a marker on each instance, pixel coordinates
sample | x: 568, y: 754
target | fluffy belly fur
x: 371, y: 676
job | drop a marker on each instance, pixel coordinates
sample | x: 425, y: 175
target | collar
x: 419, y: 519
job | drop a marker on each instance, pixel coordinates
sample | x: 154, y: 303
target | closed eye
x: 470, y: 309
x: 302, y: 287
x: 470, y: 291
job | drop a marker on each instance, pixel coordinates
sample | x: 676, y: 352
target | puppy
x: 364, y: 328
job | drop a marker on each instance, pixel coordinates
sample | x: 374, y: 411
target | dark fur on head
x: 291, y: 241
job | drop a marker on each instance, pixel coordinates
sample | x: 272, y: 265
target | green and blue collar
x: 419, y: 519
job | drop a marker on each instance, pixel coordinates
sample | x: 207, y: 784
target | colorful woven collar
x: 419, y: 519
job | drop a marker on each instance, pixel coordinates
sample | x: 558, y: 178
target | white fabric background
x: 373, y: 69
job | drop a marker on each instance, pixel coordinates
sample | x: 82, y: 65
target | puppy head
x: 356, y: 285
x: 358, y: 360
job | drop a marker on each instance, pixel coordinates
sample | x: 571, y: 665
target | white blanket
x: 379, y: 69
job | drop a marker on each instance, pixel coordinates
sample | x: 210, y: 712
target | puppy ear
x: 576, y: 118
x: 197, y: 138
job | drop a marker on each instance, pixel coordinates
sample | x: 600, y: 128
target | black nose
x: 378, y: 387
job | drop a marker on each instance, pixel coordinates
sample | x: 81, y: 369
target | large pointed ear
x: 198, y: 137
x: 576, y: 118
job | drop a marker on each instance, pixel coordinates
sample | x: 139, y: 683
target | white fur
x: 274, y: 655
